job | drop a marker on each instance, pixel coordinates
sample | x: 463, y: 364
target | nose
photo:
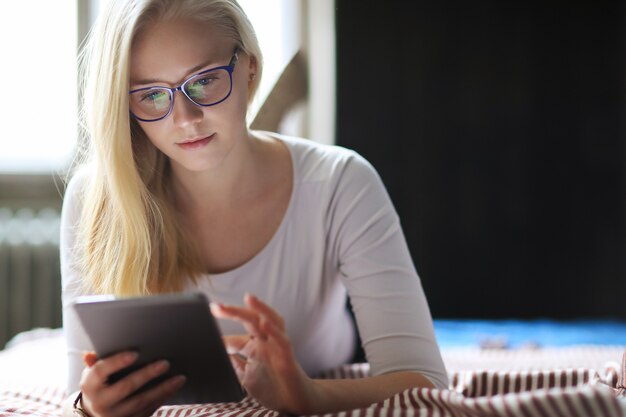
x: 184, y: 112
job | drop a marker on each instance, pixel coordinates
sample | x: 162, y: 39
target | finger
x: 151, y: 399
x: 94, y: 377
x: 235, y: 343
x: 132, y: 382
x: 233, y: 312
x: 102, y: 368
x: 239, y: 362
x: 90, y: 358
x: 276, y: 334
x: 265, y: 310
x: 247, y: 317
x: 216, y: 310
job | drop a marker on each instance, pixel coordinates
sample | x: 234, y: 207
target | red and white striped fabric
x: 621, y: 380
x: 587, y: 401
x: 30, y: 400
x: 30, y: 386
x: 567, y: 393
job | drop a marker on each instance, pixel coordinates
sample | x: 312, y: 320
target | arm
x: 85, y: 371
x: 68, y: 405
x: 76, y: 339
x: 367, y: 244
x: 267, y: 368
x: 346, y: 394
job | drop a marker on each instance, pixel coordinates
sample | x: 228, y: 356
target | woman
x: 178, y: 195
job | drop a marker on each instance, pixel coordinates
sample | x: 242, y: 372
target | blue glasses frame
x: 229, y: 68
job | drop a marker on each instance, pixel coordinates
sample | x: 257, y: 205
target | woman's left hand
x: 264, y: 359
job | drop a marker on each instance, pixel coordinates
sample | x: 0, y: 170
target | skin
x: 271, y: 374
x: 251, y: 176
x: 249, y: 173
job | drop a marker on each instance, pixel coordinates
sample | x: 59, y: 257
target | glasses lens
x: 150, y: 104
x: 209, y: 87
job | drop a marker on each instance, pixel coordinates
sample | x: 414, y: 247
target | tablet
x: 176, y: 327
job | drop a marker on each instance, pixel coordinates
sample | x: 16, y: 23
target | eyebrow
x: 191, y: 71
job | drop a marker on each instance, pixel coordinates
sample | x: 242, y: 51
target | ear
x: 252, y: 69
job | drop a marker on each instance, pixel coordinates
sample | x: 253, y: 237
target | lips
x: 194, y: 143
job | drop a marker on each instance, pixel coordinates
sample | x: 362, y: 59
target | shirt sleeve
x: 374, y: 262
x: 71, y: 281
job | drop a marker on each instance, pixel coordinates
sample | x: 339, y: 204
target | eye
x: 154, y: 95
x: 206, y: 80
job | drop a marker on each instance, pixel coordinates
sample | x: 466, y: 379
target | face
x: 166, y: 54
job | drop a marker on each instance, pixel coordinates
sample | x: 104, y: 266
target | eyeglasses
x: 206, y: 88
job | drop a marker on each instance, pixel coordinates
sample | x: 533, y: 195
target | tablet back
x: 176, y: 327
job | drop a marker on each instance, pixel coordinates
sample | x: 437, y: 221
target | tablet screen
x: 177, y: 327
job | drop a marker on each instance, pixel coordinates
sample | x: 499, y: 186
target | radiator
x: 30, y: 278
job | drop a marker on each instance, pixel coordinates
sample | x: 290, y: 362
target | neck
x: 223, y: 185
x: 233, y: 182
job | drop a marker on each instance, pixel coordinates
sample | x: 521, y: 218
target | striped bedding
x: 29, y: 385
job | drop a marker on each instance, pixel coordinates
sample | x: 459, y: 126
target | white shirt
x: 340, y: 234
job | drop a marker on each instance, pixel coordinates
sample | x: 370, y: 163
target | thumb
x: 90, y: 358
x: 234, y: 343
x: 239, y: 365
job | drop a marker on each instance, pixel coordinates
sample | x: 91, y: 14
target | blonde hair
x: 131, y: 242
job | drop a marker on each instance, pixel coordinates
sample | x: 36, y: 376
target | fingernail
x: 131, y: 356
x: 216, y: 309
x: 178, y: 380
x: 161, y: 365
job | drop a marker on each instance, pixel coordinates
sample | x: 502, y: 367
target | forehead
x: 167, y: 50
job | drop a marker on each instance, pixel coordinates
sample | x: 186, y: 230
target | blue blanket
x: 518, y: 333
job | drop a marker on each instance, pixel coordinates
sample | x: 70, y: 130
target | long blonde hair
x: 131, y: 242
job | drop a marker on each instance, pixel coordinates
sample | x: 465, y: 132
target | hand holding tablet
x: 178, y: 328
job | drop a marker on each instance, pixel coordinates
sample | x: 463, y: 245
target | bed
x: 504, y: 368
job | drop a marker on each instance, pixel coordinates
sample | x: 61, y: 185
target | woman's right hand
x: 103, y: 400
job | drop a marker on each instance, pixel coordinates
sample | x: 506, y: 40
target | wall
x: 498, y: 128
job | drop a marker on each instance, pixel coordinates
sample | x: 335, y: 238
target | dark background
x: 498, y: 128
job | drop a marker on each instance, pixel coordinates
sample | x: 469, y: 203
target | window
x: 38, y: 112
x: 276, y: 23
x: 39, y: 130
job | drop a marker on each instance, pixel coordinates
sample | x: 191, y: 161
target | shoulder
x: 317, y: 162
x: 75, y: 192
x: 79, y: 179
